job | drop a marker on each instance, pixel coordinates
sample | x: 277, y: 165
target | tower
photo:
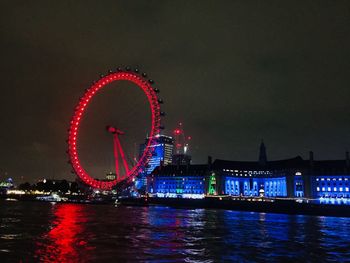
x: 262, y: 154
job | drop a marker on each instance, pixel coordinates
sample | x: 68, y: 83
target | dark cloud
x: 233, y: 71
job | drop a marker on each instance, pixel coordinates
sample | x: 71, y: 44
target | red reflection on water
x: 62, y: 242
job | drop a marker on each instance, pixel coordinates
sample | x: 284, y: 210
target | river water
x: 47, y: 232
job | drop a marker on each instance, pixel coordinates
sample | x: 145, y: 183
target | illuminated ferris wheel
x: 129, y: 170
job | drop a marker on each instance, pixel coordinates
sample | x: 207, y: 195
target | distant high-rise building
x: 162, y: 154
x: 181, y: 159
x: 182, y: 147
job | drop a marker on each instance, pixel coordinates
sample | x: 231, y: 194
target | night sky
x: 233, y: 72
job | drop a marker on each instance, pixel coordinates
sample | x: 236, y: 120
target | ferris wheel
x: 130, y: 171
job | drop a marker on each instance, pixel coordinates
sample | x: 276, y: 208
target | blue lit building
x: 325, y: 181
x: 257, y: 183
x: 187, y: 181
x: 330, y: 181
x: 161, y: 155
x: 267, y: 179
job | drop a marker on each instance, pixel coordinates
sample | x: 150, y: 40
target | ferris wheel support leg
x: 116, y: 156
x: 122, y: 155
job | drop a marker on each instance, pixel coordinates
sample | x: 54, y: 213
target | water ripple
x: 86, y: 233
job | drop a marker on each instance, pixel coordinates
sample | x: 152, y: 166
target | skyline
x: 231, y: 72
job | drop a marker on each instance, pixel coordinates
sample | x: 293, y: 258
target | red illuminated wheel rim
x: 154, y: 103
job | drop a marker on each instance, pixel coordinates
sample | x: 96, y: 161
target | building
x: 5, y: 185
x: 110, y: 176
x: 182, y: 146
x: 162, y: 154
x: 326, y: 181
x: 180, y: 159
x: 330, y: 180
x: 188, y: 181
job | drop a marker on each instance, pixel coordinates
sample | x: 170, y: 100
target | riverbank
x: 281, y: 206
x: 253, y: 205
x: 52, y: 198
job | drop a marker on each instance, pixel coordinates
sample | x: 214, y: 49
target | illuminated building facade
x: 110, y: 176
x: 331, y: 186
x: 185, y: 181
x: 161, y: 155
x: 270, y: 179
x: 325, y: 181
x: 331, y: 181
